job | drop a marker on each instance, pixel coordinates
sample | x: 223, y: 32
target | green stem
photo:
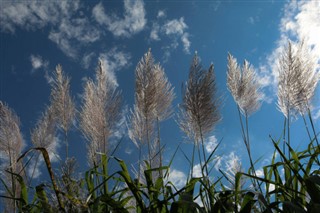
x: 312, y: 125
x: 199, y: 155
x: 284, y: 135
x: 192, y: 159
x: 66, y: 142
x: 203, y: 151
x: 245, y: 136
x: 159, y: 147
x: 139, y: 164
x: 148, y: 142
x: 288, y: 132
x: 249, y: 151
x: 306, y: 126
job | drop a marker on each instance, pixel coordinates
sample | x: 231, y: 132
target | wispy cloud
x: 211, y: 143
x: 175, y: 26
x: 72, y: 32
x: 38, y: 63
x: 232, y: 162
x: 161, y: 14
x: 229, y: 162
x: 133, y: 21
x: 317, y: 115
x: 113, y: 61
x: 87, y: 59
x: 253, y: 19
x: 32, y: 15
x: 300, y: 21
x: 154, y: 34
x: 174, y: 29
x: 68, y: 30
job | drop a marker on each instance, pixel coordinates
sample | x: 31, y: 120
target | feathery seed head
x: 243, y: 86
x: 199, y: 110
x: 100, y: 112
x: 11, y: 140
x: 153, y: 99
x: 62, y: 104
x: 43, y: 135
x: 164, y: 94
x: 297, y: 79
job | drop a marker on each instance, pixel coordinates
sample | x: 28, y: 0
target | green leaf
x: 185, y: 204
x: 247, y: 202
x: 49, y: 168
x: 41, y: 194
x: 313, y: 184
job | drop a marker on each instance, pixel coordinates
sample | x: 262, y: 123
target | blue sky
x: 38, y: 35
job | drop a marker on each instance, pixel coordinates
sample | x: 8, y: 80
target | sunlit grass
x: 291, y: 183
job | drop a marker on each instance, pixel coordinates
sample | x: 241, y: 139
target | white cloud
x: 113, y: 61
x: 73, y: 31
x: 232, y: 162
x: 260, y: 173
x: 175, y: 26
x: 133, y: 21
x: 300, y: 21
x: 271, y: 187
x: 197, y: 171
x: 178, y: 178
x: 211, y: 144
x: 37, y: 63
x: 68, y: 30
x: 175, y: 29
x: 33, y: 15
x: 186, y: 42
x: 229, y: 163
x: 199, y: 201
x: 317, y: 115
x: 161, y: 14
x: 154, y: 34
x: 86, y: 59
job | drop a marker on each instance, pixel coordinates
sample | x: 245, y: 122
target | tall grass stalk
x: 44, y: 135
x: 297, y: 82
x: 164, y: 97
x: 62, y: 103
x: 153, y: 103
x: 199, y: 112
x: 11, y: 144
x: 145, y: 102
x: 103, y: 189
x: 100, y: 113
x: 243, y: 85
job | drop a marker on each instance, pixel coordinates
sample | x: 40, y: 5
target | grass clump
x: 291, y: 183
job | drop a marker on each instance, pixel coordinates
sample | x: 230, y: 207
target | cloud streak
x: 132, y: 22
x: 113, y: 61
x: 68, y: 30
x: 174, y: 29
x: 37, y: 63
